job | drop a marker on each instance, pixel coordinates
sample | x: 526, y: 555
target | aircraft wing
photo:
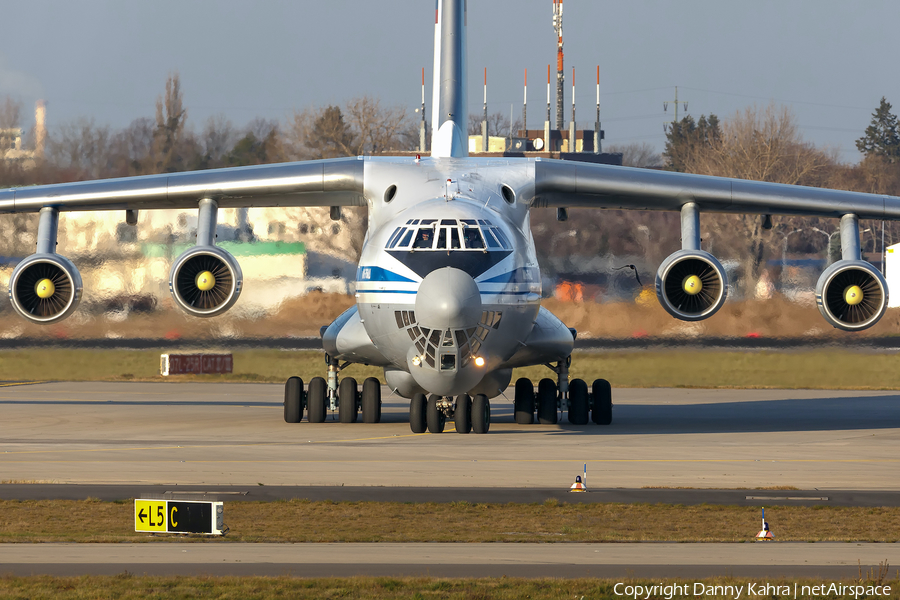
x: 574, y: 184
x: 333, y: 182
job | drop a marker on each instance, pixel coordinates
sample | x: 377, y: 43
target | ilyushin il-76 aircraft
x: 448, y: 290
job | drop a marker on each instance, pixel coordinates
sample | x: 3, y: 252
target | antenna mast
x: 422, y: 126
x: 675, y: 103
x: 560, y: 76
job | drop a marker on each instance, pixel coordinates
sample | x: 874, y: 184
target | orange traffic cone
x: 578, y: 486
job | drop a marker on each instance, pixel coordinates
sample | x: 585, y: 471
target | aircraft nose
x: 448, y: 298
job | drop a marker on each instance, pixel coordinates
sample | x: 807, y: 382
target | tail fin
x: 450, y: 115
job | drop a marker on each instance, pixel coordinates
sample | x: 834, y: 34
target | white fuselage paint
x: 388, y: 281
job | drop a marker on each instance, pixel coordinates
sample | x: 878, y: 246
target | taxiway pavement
x: 234, y: 434
x: 826, y: 560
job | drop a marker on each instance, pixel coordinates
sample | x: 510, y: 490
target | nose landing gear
x: 431, y: 414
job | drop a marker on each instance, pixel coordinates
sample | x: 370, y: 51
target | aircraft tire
x: 524, y: 401
x: 601, y: 403
x: 433, y: 415
x: 463, y: 416
x: 417, y: 422
x: 579, y: 403
x: 546, y: 401
x: 371, y: 400
x: 347, y: 400
x: 315, y: 400
x: 293, y: 400
x: 481, y: 414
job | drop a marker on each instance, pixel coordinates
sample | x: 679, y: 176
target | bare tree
x: 320, y: 133
x: 83, y: 148
x: 217, y: 138
x: 498, y: 125
x: 170, y: 118
x: 362, y: 126
x: 763, y: 145
x: 379, y: 128
x: 637, y: 154
x: 10, y: 113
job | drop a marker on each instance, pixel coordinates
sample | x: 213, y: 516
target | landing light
x: 479, y: 361
x: 416, y: 361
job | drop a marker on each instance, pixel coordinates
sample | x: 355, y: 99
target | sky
x: 829, y: 61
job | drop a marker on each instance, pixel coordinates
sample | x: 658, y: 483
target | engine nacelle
x: 45, y: 288
x: 691, y: 285
x: 852, y: 295
x: 205, y: 281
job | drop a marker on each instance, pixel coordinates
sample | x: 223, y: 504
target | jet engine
x: 691, y: 285
x: 852, y: 295
x: 205, y: 281
x: 45, y: 288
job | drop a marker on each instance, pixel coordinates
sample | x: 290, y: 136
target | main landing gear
x: 342, y: 395
x: 431, y: 414
x: 582, y: 404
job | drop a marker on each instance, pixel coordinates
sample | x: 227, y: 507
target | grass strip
x: 813, y: 369
x: 127, y: 586
x: 552, y: 521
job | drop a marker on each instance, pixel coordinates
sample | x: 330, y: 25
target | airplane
x: 448, y: 290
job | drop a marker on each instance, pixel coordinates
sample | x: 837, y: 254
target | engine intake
x: 852, y: 295
x: 205, y: 281
x: 45, y: 288
x: 691, y: 285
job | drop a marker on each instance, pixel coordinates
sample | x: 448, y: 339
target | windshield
x: 448, y: 234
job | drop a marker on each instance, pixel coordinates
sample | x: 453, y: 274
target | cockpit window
x: 491, y: 240
x: 395, y: 237
x: 425, y: 238
x: 502, y: 238
x: 473, y: 238
x: 451, y: 234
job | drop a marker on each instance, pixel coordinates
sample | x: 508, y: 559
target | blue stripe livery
x: 379, y: 274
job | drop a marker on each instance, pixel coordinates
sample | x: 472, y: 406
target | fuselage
x: 448, y: 285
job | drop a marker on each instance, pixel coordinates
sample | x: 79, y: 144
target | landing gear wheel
x: 433, y: 415
x: 315, y: 400
x: 347, y: 409
x: 293, y: 400
x: 463, y: 414
x: 546, y: 400
x: 524, y: 402
x: 601, y: 409
x: 578, y: 402
x: 481, y: 414
x: 417, y: 413
x: 371, y: 400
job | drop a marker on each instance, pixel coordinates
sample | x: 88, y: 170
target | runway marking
x: 15, y: 383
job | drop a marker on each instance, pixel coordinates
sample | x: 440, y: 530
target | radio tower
x: 560, y: 77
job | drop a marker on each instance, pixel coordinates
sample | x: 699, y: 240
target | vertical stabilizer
x: 450, y: 115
